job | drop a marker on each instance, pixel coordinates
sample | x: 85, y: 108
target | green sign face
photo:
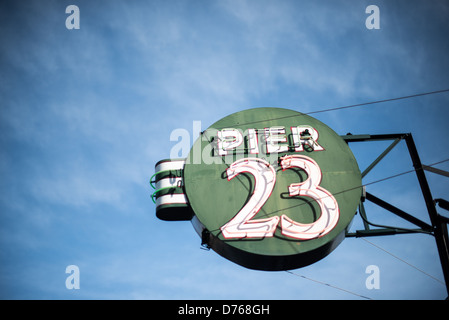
x: 271, y: 189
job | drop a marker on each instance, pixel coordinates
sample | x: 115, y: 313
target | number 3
x: 241, y: 226
x: 309, y: 188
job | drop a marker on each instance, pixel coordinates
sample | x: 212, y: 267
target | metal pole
x: 440, y: 228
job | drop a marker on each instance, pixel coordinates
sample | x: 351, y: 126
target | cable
x: 347, y: 107
x: 381, y: 101
x: 329, y: 285
x: 402, y: 260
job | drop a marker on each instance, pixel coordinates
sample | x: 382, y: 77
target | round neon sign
x: 271, y: 188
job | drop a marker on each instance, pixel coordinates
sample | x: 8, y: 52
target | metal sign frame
x: 438, y: 226
x: 173, y: 203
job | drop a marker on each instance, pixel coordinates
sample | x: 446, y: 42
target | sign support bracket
x: 438, y: 227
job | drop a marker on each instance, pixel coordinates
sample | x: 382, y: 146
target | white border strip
x: 169, y: 182
x: 170, y: 165
x: 177, y: 198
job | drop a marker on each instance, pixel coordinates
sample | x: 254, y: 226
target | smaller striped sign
x: 171, y: 201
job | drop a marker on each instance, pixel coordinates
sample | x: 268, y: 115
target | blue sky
x: 87, y: 113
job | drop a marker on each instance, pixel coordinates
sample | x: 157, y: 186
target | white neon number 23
x: 241, y: 226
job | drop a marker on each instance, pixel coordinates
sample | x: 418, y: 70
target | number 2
x: 241, y: 226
